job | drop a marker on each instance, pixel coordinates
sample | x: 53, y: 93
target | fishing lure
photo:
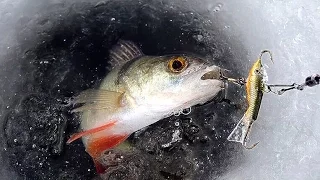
x: 255, y: 87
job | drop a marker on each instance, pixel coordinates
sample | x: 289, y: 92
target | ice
x: 175, y: 138
x: 287, y: 127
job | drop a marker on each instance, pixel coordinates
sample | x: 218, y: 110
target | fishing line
x: 310, y: 81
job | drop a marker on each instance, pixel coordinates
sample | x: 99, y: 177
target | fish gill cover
x: 70, y: 54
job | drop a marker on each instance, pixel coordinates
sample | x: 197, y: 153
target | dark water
x: 73, y: 55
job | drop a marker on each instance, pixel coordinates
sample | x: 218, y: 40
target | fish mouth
x: 215, y: 72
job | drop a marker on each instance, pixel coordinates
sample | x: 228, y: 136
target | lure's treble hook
x: 242, y: 81
x: 246, y: 138
x: 270, y: 54
x: 250, y: 147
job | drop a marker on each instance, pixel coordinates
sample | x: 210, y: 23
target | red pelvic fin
x: 97, y: 146
x: 99, y: 168
x: 90, y: 131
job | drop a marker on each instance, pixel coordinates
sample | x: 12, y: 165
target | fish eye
x: 177, y: 65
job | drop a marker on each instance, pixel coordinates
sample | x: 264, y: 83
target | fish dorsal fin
x: 98, y: 100
x: 123, y: 52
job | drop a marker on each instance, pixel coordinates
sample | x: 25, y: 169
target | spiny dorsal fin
x: 123, y: 52
x: 97, y: 99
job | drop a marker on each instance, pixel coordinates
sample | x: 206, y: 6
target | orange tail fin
x: 97, y: 146
x: 90, y: 131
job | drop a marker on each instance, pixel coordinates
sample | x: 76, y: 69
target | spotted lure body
x: 255, y: 87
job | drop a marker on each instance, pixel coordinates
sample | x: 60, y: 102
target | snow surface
x: 288, y: 126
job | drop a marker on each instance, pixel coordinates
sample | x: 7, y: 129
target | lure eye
x: 177, y: 65
x: 257, y: 71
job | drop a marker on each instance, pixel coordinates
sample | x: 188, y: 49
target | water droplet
x: 216, y: 8
x: 199, y: 37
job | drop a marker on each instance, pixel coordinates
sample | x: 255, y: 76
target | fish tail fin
x: 96, y: 146
x: 241, y: 131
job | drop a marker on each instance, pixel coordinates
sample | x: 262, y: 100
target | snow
x: 287, y: 127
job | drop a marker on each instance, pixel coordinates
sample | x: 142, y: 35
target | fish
x: 139, y: 91
x: 255, y: 87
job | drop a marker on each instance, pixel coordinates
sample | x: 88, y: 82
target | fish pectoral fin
x: 97, y: 99
x: 91, y: 131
